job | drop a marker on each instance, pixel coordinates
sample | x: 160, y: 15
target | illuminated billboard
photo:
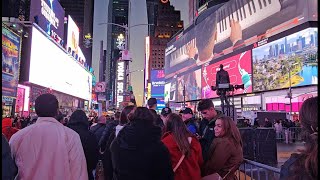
x: 192, y: 83
x: 120, y: 82
x: 157, y: 84
x: 221, y: 30
x: 296, y: 54
x: 49, y: 15
x: 239, y: 69
x: 52, y: 67
x: 11, y: 47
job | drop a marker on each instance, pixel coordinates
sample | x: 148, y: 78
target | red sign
x: 239, y: 68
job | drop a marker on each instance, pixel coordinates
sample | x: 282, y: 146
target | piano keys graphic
x: 246, y: 12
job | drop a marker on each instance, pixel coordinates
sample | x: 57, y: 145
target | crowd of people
x: 138, y: 144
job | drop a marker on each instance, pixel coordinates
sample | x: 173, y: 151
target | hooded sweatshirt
x: 138, y: 154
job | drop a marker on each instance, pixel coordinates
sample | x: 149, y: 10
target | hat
x: 187, y: 111
x: 165, y: 111
x: 152, y: 101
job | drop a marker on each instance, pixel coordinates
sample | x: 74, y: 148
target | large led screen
x: 192, y: 84
x: 157, y: 84
x: 51, y: 67
x: 11, y: 46
x: 232, y: 26
x: 239, y: 69
x: 296, y: 54
x: 49, y: 15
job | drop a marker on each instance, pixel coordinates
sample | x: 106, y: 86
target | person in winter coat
x: 304, y: 165
x: 107, y: 161
x: 98, y: 128
x: 48, y: 149
x: 79, y: 123
x: 137, y: 152
x: 187, y: 117
x: 7, y: 128
x: 225, y: 153
x: 9, y: 169
x: 180, y: 141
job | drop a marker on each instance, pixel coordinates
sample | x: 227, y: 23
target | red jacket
x: 190, y: 168
x: 7, y: 129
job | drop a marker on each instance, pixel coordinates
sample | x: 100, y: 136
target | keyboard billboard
x: 229, y: 27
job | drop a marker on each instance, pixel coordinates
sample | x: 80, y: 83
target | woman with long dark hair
x: 80, y: 124
x: 225, y: 153
x: 304, y: 165
x: 138, y: 153
x: 184, y: 147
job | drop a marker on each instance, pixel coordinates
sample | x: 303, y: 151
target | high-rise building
x: 118, y: 14
x: 81, y: 12
x: 167, y: 22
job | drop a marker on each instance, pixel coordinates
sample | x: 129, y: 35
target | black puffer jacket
x: 138, y: 154
x: 89, y: 143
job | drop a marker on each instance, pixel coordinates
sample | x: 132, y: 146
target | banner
x: 11, y: 46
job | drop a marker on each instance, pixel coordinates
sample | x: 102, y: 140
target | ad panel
x: 233, y: 26
x: 120, y: 82
x: 157, y: 84
x: 11, y: 47
x: 240, y: 71
x: 52, y: 67
x: 296, y: 54
x: 49, y: 15
x: 192, y: 83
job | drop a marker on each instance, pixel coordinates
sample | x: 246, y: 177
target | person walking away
x: 79, y: 123
x: 47, y: 149
x: 9, y: 169
x: 225, y: 153
x: 7, y: 129
x: 137, y: 152
x: 189, y: 120
x: 152, y: 105
x: 278, y: 128
x: 184, y: 147
x: 98, y: 128
x: 304, y: 165
x: 206, y: 108
x: 107, y: 161
x: 108, y: 130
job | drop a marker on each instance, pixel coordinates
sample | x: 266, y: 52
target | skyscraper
x: 81, y: 12
x: 167, y: 23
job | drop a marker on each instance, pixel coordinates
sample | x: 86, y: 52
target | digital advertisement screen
x: 73, y: 38
x: 11, y: 47
x: 239, y: 69
x: 192, y: 83
x: 51, y: 67
x: 49, y: 14
x: 227, y: 29
x: 296, y: 54
x: 157, y: 84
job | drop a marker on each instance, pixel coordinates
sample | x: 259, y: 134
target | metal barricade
x: 295, y: 134
x: 257, y: 171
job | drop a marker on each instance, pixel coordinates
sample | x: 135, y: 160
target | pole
x: 290, y: 93
x: 184, y: 96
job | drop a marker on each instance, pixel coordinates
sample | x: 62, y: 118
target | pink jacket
x: 48, y: 150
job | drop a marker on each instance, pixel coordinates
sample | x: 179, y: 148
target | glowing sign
x: 120, y: 82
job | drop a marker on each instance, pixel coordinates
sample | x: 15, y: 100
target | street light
x: 290, y: 91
